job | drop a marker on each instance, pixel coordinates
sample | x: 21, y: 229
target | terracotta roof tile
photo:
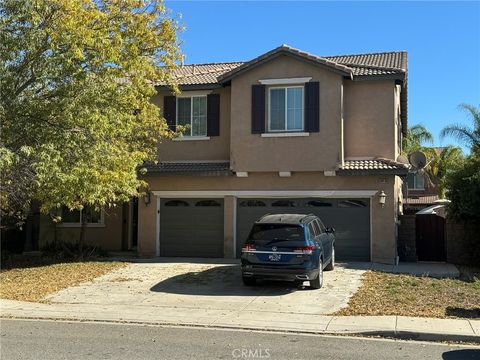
x: 378, y: 164
x: 421, y: 200
x: 202, y: 73
x: 393, y: 60
x: 386, y: 63
x: 207, y: 168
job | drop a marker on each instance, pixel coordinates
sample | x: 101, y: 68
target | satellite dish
x: 402, y: 159
x: 418, y: 159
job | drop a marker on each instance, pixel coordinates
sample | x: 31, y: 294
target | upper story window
x: 285, y: 110
x: 416, y: 181
x: 192, y: 113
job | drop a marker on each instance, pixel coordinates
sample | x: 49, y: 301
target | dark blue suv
x: 292, y: 247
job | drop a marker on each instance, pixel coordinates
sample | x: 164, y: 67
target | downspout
x: 342, y: 130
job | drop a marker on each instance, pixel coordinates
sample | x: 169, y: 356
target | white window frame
x: 79, y: 224
x: 203, y: 137
x: 286, y: 109
x: 415, y: 182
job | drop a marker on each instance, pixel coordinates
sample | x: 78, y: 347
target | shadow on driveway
x: 464, y: 354
x: 220, y: 281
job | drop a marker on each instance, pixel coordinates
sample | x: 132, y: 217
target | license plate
x: 274, y: 257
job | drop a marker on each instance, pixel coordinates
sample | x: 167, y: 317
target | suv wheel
x: 318, y: 282
x: 331, y: 265
x: 248, y: 281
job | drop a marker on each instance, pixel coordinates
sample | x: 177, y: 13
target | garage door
x: 349, y: 217
x: 191, y: 227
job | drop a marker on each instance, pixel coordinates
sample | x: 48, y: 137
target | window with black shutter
x: 169, y: 111
x: 312, y: 106
x: 199, y: 115
x: 258, y: 109
x: 213, y: 115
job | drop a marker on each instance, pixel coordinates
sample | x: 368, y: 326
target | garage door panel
x: 190, y: 230
x: 349, y: 217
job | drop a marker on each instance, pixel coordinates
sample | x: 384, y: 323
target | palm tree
x: 416, y: 136
x: 444, y: 160
x: 469, y: 136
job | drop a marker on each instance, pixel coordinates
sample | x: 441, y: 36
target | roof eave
x: 368, y: 172
x: 267, y: 57
x: 190, y: 87
x: 189, y: 173
x: 399, y: 76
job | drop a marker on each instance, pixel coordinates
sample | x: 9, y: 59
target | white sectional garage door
x: 191, y: 227
x: 349, y: 217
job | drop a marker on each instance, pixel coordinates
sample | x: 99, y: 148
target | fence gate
x: 430, y: 237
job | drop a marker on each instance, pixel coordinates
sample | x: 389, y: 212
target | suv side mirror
x: 331, y: 230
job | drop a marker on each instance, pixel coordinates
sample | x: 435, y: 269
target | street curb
x: 401, y: 335
x: 421, y: 336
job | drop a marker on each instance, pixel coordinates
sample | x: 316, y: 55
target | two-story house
x: 287, y: 132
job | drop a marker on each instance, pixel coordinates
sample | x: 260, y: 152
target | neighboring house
x: 418, y: 191
x: 285, y: 132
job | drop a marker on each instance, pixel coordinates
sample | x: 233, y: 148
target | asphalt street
x: 25, y: 339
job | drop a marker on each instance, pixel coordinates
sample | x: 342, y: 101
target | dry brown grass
x: 406, y: 295
x: 36, y: 282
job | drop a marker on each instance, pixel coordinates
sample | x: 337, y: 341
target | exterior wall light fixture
x: 147, y: 198
x: 381, y: 198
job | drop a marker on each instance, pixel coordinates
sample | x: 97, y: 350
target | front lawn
x: 35, y: 281
x: 407, y: 295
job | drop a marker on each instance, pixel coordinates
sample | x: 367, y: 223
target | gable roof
x: 357, y: 65
x: 286, y: 50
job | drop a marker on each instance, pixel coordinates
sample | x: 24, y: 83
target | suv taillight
x: 248, y: 247
x: 307, y: 250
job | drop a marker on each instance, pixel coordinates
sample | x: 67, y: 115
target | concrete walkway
x: 208, y: 293
x: 390, y: 326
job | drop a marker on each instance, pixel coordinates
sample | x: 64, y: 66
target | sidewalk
x: 388, y: 326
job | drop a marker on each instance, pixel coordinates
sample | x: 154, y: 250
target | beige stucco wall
x: 370, y: 123
x: 383, y: 224
x: 217, y: 148
x: 147, y: 227
x: 108, y: 237
x: 369, y: 119
x: 319, y: 151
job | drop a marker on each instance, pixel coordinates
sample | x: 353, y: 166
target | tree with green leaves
x: 464, y: 183
x: 76, y: 79
x: 416, y: 138
x: 440, y: 160
x: 468, y: 135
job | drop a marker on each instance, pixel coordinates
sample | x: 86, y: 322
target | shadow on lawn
x: 463, y: 313
x: 24, y: 262
x: 220, y: 281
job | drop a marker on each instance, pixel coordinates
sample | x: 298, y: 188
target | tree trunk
x: 81, y: 242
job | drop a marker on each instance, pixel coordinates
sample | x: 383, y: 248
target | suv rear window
x: 276, y: 232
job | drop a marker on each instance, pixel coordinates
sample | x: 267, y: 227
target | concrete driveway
x: 210, y: 285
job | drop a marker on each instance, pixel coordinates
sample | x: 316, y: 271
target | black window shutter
x: 258, y: 109
x: 312, y: 106
x: 213, y: 115
x: 169, y: 111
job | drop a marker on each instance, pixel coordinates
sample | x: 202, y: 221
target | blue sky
x: 442, y: 40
